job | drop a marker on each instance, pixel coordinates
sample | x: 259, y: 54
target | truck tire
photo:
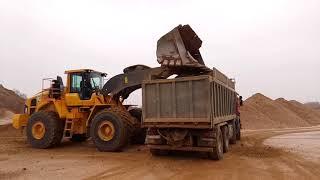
x: 238, y: 130
x: 217, y: 153
x: 78, y: 138
x: 225, y: 135
x: 109, y: 131
x: 44, y: 130
x: 233, y: 139
x: 139, y: 136
x: 159, y: 152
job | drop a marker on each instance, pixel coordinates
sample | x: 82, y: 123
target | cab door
x: 73, y: 97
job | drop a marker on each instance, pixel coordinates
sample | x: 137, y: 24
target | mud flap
x: 174, y: 137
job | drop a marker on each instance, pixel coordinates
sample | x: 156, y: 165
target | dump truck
x: 196, y: 113
x: 186, y: 105
x: 198, y: 109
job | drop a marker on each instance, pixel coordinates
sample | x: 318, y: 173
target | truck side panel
x: 222, y: 102
x: 177, y: 100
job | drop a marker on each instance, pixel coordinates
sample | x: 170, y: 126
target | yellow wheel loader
x: 77, y: 111
x: 84, y: 107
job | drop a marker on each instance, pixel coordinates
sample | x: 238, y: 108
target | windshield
x: 96, y: 80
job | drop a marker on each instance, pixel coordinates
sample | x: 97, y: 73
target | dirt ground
x: 307, y: 144
x: 251, y: 158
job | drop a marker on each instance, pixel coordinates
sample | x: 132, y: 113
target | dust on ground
x: 5, y: 116
x: 248, y: 159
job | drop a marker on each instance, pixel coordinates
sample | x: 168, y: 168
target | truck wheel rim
x: 106, y: 131
x: 38, y: 130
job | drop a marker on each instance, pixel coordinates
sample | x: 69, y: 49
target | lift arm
x: 177, y: 53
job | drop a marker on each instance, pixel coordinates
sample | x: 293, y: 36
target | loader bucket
x: 180, y: 48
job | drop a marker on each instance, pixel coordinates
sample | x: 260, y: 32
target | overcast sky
x: 269, y: 46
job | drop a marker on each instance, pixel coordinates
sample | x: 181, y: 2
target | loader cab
x: 84, y: 82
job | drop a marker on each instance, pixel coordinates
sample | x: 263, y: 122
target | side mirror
x: 241, y: 101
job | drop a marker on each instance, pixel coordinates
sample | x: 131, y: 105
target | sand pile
x: 304, y: 112
x: 10, y: 103
x: 313, y: 105
x: 261, y: 112
x: 9, y: 100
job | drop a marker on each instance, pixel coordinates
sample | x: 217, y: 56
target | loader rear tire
x: 217, y: 153
x: 44, y: 129
x: 78, y: 138
x: 225, y: 135
x: 109, y: 131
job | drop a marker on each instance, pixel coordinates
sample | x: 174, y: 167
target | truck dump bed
x: 192, y: 102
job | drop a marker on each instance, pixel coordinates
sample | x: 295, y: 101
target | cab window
x: 96, y: 80
x: 76, y: 80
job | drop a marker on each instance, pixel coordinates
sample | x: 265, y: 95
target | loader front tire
x: 44, y: 129
x: 109, y: 131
